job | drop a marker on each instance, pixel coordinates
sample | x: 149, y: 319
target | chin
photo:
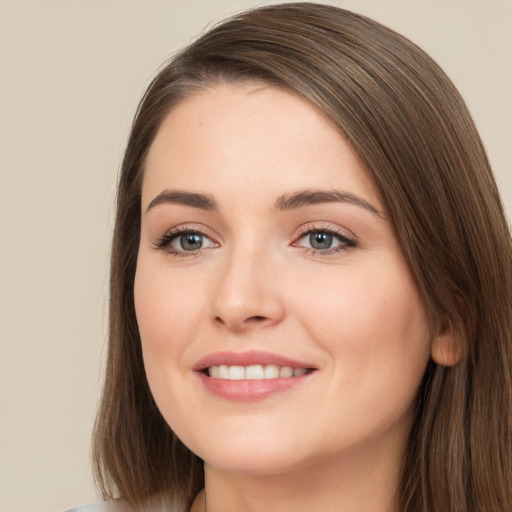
x: 248, y: 454
x: 253, y: 463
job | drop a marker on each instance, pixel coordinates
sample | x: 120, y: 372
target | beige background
x: 72, y: 73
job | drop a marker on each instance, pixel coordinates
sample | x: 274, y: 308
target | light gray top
x: 102, y: 506
x: 120, y: 506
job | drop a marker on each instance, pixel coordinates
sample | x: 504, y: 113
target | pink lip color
x: 246, y: 359
x: 248, y: 390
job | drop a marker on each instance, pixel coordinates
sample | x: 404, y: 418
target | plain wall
x: 72, y: 73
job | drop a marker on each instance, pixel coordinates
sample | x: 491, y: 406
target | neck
x: 357, y: 484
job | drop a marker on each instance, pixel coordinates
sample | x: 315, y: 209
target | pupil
x: 320, y: 240
x: 191, y: 242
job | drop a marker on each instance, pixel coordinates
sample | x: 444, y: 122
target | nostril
x: 256, y: 318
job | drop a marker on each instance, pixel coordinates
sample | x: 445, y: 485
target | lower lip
x: 250, y: 390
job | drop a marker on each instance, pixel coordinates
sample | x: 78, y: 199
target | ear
x: 447, y: 349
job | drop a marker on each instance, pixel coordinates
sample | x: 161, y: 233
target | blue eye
x: 321, y: 240
x: 325, y: 241
x: 183, y: 242
x: 188, y: 242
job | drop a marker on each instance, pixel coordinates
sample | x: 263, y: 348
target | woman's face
x: 280, y: 325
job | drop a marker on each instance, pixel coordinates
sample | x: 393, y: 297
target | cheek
x: 372, y: 324
x: 167, y: 310
x: 168, y: 314
x: 374, y: 330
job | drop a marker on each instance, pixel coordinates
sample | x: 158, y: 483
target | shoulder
x: 120, y: 506
x: 102, y: 506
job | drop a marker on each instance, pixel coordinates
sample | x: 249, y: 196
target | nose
x: 248, y: 294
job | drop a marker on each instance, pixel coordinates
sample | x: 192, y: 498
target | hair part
x: 411, y: 128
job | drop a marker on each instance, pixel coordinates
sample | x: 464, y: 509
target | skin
x: 335, y: 441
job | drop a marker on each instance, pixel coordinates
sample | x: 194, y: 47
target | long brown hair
x: 413, y: 131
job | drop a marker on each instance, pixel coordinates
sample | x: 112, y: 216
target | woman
x: 311, y: 281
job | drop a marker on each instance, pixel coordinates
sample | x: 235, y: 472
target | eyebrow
x: 283, y: 203
x: 312, y: 197
x: 201, y: 201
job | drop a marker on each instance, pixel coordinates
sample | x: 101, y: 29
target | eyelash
x: 346, y: 243
x: 164, y: 242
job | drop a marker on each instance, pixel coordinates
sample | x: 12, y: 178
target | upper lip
x: 249, y: 358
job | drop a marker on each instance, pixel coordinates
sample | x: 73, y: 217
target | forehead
x: 232, y: 138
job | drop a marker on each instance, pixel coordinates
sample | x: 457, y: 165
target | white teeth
x: 223, y: 371
x: 271, y: 371
x: 254, y: 372
x: 286, y: 371
x: 236, y: 373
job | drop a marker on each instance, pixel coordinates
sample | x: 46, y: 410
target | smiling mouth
x: 252, y: 375
x: 254, y: 372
